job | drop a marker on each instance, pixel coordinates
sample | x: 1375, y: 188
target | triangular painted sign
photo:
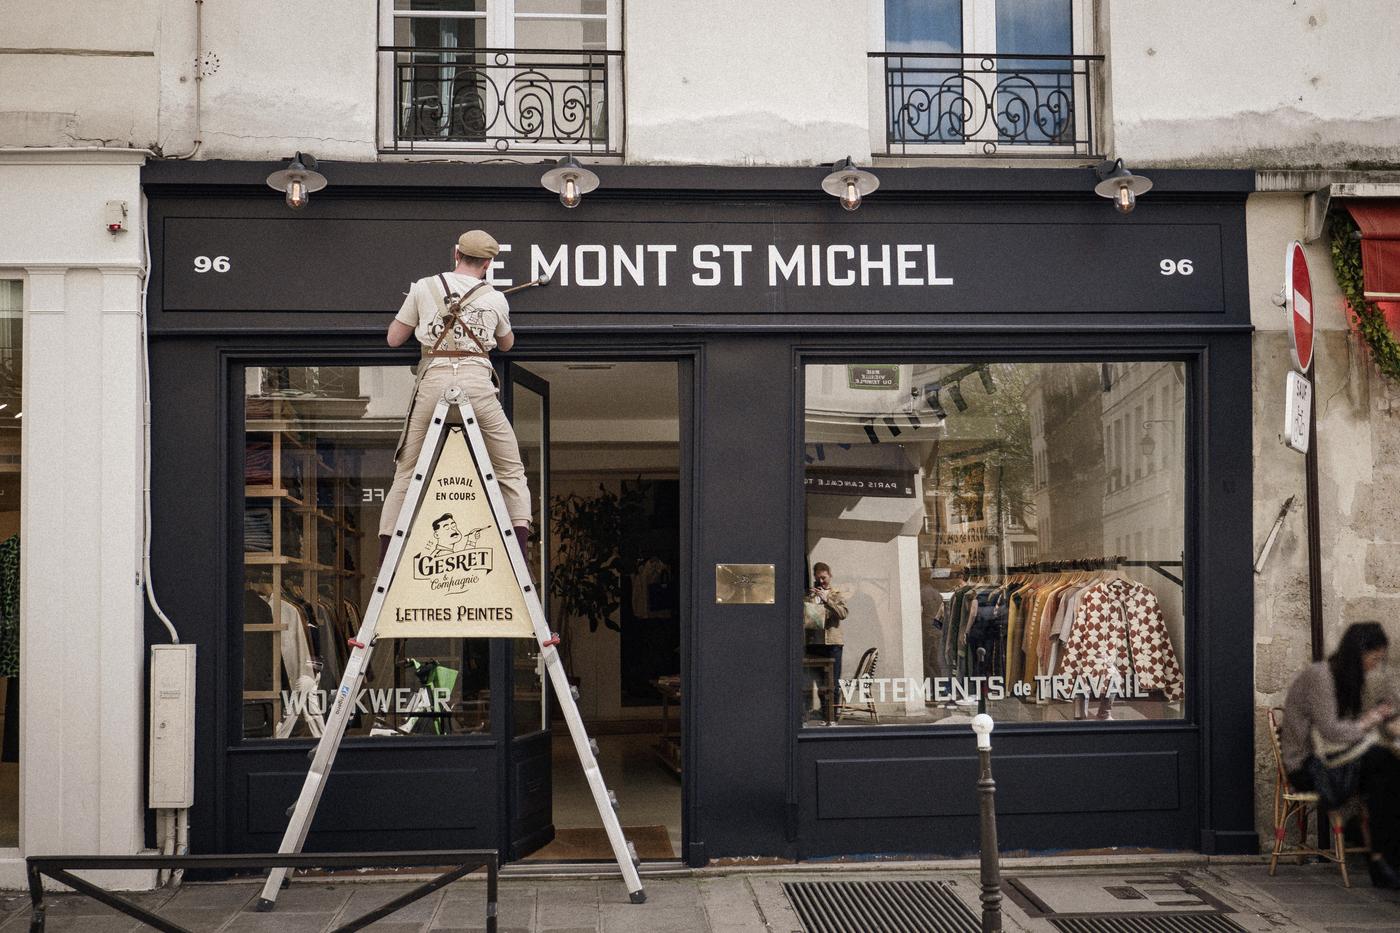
x: 455, y: 577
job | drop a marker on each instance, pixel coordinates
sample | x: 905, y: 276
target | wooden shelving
x: 294, y: 563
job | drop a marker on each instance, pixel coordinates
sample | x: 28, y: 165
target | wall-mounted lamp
x: 298, y: 180
x: 1119, y: 185
x: 570, y: 180
x: 1147, y: 445
x: 933, y: 402
x: 849, y: 183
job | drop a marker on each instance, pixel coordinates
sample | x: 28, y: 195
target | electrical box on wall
x: 172, y: 726
x: 114, y: 214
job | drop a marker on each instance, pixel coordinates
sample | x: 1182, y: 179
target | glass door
x: 530, y: 785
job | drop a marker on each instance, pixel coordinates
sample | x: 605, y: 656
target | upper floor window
x: 969, y: 76
x: 501, y: 75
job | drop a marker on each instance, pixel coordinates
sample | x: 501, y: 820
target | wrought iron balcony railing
x: 960, y: 104
x: 503, y: 100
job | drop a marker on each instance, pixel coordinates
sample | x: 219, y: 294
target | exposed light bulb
x: 1126, y: 200
x: 296, y: 194
x: 568, y: 195
x: 851, y: 200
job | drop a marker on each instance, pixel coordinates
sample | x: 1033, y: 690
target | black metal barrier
x: 60, y: 868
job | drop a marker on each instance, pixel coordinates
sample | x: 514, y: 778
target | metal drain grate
x: 1155, y: 923
x: 879, y: 907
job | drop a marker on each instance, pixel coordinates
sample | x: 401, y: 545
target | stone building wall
x: 1358, y: 438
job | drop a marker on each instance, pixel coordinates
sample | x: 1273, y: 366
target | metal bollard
x: 982, y: 724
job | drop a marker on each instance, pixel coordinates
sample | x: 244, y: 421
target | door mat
x: 879, y: 907
x: 591, y: 845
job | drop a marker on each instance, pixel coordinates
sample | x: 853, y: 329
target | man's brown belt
x: 454, y: 354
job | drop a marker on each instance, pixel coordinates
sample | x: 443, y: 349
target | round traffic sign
x: 1297, y: 291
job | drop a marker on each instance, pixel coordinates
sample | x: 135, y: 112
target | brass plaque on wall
x: 744, y: 584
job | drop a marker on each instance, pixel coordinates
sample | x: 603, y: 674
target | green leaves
x: 1369, y: 321
x: 586, y: 578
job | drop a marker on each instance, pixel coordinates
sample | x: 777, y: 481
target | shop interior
x: 614, y: 491
x: 319, y: 445
x: 1018, y: 521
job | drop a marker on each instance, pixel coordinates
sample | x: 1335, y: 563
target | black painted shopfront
x: 846, y: 385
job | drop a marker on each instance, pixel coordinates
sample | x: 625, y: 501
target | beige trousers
x: 475, y: 380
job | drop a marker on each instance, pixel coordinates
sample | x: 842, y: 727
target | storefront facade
x: 1099, y: 363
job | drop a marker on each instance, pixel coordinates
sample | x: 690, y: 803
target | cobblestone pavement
x: 1301, y: 898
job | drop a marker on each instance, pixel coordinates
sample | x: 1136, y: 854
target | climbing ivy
x: 1370, y: 323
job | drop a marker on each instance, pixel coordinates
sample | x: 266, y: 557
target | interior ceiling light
x: 849, y: 183
x: 570, y: 180
x: 298, y: 180
x: 1119, y: 185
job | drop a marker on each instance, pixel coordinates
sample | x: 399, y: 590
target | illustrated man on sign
x: 446, y: 535
x: 459, y: 319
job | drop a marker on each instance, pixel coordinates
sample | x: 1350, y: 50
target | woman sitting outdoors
x: 1329, y: 712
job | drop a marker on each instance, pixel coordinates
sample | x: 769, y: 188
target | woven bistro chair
x: 1290, y: 804
x: 865, y: 669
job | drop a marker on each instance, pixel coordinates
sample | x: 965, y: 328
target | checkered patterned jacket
x: 1120, y: 628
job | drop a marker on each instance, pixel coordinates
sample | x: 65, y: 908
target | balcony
x: 960, y: 105
x: 501, y: 101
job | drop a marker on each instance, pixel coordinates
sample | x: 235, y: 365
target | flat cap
x: 478, y: 244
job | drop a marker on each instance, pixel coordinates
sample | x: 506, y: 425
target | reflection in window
x: 318, y: 458
x: 980, y: 541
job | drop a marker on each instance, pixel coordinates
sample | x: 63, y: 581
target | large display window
x: 318, y: 453
x: 1006, y: 535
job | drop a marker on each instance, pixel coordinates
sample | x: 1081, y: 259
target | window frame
x: 501, y: 18
x: 979, y: 39
x: 1194, y: 577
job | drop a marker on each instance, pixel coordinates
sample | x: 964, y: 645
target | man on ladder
x: 459, y: 319
x: 457, y: 448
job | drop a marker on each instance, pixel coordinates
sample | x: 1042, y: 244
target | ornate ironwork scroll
x: 987, y: 102
x: 498, y: 100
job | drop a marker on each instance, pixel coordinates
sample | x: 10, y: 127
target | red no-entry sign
x: 1297, y: 291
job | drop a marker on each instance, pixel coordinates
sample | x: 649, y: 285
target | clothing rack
x: 1099, y: 563
x: 1157, y: 565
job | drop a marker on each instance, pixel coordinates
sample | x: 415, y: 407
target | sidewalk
x: 1218, y: 896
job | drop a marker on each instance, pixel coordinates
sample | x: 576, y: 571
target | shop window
x: 318, y: 460
x: 500, y: 75
x: 983, y: 74
x: 967, y: 520
x: 11, y: 422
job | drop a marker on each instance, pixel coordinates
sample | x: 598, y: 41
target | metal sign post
x: 458, y: 565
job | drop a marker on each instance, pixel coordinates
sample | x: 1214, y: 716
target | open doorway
x: 614, y: 491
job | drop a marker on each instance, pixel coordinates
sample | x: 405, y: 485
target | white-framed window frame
x: 979, y: 38
x: 501, y: 19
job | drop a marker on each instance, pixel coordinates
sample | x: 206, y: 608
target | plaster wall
x: 1358, y: 443
x: 82, y: 735
x: 1253, y: 83
x: 747, y: 82
x: 72, y: 78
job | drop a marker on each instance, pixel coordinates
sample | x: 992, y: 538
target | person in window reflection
x: 1339, y: 738
x: 823, y: 611
x: 459, y: 319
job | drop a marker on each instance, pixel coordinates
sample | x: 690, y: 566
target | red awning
x: 1380, y: 253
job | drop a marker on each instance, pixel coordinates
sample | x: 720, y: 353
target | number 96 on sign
x: 1176, y: 266
x: 211, y: 264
